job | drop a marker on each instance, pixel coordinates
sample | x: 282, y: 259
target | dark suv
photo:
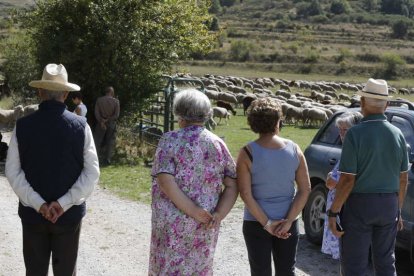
x: 324, y: 151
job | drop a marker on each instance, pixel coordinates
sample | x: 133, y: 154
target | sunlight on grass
x: 134, y: 182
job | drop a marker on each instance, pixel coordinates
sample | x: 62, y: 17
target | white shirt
x: 82, y: 108
x: 76, y: 195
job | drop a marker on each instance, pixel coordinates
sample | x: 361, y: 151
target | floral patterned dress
x: 199, y: 161
x: 330, y: 243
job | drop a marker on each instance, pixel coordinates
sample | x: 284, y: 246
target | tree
x: 315, y: 8
x: 304, y: 9
x: 227, y: 3
x: 215, y: 7
x: 370, y: 5
x: 124, y: 43
x: 340, y: 7
x: 400, y: 29
x: 393, y: 65
x: 240, y: 50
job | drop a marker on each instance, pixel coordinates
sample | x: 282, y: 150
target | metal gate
x: 159, y: 117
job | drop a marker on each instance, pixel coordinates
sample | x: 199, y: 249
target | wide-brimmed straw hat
x: 55, y: 78
x: 377, y: 89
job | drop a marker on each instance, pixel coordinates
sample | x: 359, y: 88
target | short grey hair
x: 192, y: 106
x: 375, y: 102
x: 348, y: 118
x: 53, y: 95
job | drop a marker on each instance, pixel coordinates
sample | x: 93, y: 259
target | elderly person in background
x: 267, y: 169
x: 372, y: 187
x: 189, y: 200
x: 106, y: 114
x: 330, y: 243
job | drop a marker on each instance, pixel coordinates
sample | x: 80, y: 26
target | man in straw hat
x: 52, y: 166
x: 372, y: 187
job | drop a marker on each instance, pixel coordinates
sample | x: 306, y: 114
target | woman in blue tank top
x: 267, y: 170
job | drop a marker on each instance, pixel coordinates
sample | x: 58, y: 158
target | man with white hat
x: 52, y: 166
x: 372, y: 187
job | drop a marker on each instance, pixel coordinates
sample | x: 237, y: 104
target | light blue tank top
x: 273, y: 179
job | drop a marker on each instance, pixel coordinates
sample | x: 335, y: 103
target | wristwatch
x: 331, y: 214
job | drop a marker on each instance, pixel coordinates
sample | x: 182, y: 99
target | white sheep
x: 221, y: 112
x: 8, y: 116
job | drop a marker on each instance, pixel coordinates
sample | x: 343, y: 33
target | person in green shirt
x: 371, y: 188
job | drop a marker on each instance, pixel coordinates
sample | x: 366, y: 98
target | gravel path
x: 115, y: 240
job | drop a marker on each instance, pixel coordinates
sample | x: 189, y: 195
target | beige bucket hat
x: 55, y: 78
x: 377, y: 89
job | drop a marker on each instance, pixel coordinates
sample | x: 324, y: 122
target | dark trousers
x: 369, y: 220
x: 42, y: 240
x: 261, y: 246
x: 105, y: 141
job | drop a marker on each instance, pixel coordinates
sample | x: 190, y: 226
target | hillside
x: 6, y: 5
x: 277, y: 36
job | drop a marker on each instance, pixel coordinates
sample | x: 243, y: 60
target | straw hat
x: 377, y: 89
x: 55, y: 78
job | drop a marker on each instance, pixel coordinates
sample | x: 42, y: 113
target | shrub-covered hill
x: 316, y: 36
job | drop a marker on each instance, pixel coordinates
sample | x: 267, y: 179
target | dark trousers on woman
x: 42, y: 240
x: 261, y: 246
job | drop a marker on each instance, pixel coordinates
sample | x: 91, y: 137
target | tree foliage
x: 393, y: 65
x: 402, y: 7
x: 215, y: 7
x: 340, y: 7
x: 304, y: 9
x: 400, y: 28
x: 124, y: 43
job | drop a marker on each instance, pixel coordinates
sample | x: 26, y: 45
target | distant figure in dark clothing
x: 3, y: 149
x: 106, y: 114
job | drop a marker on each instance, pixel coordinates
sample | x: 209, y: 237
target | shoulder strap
x: 249, y: 154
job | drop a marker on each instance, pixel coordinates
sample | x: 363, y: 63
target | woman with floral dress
x: 193, y: 189
x: 330, y: 243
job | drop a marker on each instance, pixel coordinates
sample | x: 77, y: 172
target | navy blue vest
x: 51, y: 142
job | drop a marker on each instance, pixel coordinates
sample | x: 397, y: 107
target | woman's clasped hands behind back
x: 279, y: 228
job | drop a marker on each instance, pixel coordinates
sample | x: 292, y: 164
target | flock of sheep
x: 9, y: 116
x: 309, y: 103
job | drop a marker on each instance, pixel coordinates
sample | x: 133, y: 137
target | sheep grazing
x: 316, y: 116
x: 226, y: 106
x: 221, y: 112
x: 29, y: 109
x: 227, y: 97
x: 9, y: 116
x: 247, y: 101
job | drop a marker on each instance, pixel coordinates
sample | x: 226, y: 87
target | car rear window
x: 330, y: 134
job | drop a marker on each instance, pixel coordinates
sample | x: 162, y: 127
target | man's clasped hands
x: 51, y: 211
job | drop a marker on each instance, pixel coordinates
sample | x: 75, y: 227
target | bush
x: 319, y: 19
x: 393, y: 65
x: 340, y: 7
x: 240, y: 50
x: 215, y: 7
x: 227, y: 3
x: 311, y: 57
x: 400, y: 29
x: 368, y: 57
x: 343, y: 54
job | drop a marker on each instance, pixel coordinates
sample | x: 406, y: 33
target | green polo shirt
x: 375, y: 152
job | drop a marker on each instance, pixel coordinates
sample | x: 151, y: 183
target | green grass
x: 134, y: 182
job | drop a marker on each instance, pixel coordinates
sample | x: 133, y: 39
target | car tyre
x: 314, y: 213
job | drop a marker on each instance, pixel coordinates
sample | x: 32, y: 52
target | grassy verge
x: 134, y: 182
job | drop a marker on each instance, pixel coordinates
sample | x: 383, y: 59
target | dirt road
x: 115, y: 241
